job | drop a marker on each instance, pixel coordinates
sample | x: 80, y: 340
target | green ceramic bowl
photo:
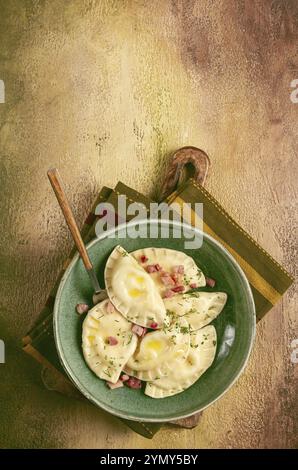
x: 235, y: 327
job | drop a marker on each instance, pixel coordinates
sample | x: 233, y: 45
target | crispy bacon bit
x: 82, y: 308
x: 168, y: 293
x: 154, y: 325
x: 210, y: 282
x: 176, y: 278
x: 167, y: 279
x: 179, y: 269
x: 124, y: 377
x: 193, y: 285
x: 110, y: 307
x: 158, y: 267
x: 151, y: 268
x: 112, y: 341
x: 116, y: 385
x: 143, y: 259
x: 133, y: 382
x: 144, y: 332
x: 137, y: 329
x: 178, y: 289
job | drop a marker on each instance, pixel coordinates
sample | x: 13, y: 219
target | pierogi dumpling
x: 168, y: 259
x: 132, y: 290
x: 108, y: 341
x: 159, y: 352
x: 200, y: 357
x: 198, y: 308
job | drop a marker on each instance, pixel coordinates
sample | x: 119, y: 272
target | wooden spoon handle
x: 56, y: 183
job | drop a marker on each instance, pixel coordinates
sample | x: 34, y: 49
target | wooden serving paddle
x: 185, y: 163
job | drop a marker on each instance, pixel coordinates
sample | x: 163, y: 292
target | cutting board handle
x: 190, y: 160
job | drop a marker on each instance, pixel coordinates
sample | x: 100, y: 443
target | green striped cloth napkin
x: 267, y: 278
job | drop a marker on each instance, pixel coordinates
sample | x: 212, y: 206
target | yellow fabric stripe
x: 252, y: 275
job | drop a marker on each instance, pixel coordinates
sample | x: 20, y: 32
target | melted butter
x: 137, y: 277
x: 91, y: 339
x: 93, y: 331
x: 95, y: 323
x: 135, y: 292
x: 155, y: 345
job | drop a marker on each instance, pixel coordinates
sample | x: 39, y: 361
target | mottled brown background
x: 105, y: 90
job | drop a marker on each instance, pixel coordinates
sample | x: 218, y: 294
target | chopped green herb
x: 192, y: 310
x: 173, y: 339
x: 184, y: 329
x: 129, y: 339
x: 192, y: 294
x: 170, y: 313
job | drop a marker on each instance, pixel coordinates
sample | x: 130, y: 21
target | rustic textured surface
x: 105, y: 90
